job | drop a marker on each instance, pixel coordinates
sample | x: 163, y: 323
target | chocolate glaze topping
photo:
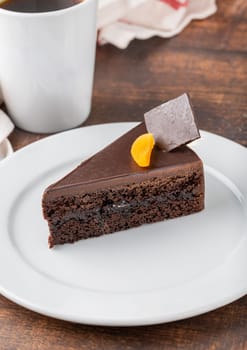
x: 114, y: 166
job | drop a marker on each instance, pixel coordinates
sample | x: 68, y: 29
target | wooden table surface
x: 209, y: 61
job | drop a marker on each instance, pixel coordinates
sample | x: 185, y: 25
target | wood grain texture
x: 208, y: 60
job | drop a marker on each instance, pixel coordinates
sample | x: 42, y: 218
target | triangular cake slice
x: 109, y: 192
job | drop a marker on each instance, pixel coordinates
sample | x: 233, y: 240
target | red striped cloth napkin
x: 121, y: 21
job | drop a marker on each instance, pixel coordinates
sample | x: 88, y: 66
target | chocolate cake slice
x: 109, y: 192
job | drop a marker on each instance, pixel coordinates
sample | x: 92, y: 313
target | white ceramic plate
x: 156, y: 273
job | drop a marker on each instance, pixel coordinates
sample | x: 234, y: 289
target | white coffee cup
x: 47, y: 66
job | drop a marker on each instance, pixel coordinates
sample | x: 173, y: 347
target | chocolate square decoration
x: 172, y: 123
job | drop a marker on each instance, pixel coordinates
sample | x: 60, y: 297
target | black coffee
x: 37, y: 5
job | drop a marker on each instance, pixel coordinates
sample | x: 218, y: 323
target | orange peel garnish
x: 141, y: 149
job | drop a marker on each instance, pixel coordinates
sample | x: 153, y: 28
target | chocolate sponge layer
x: 118, y: 208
